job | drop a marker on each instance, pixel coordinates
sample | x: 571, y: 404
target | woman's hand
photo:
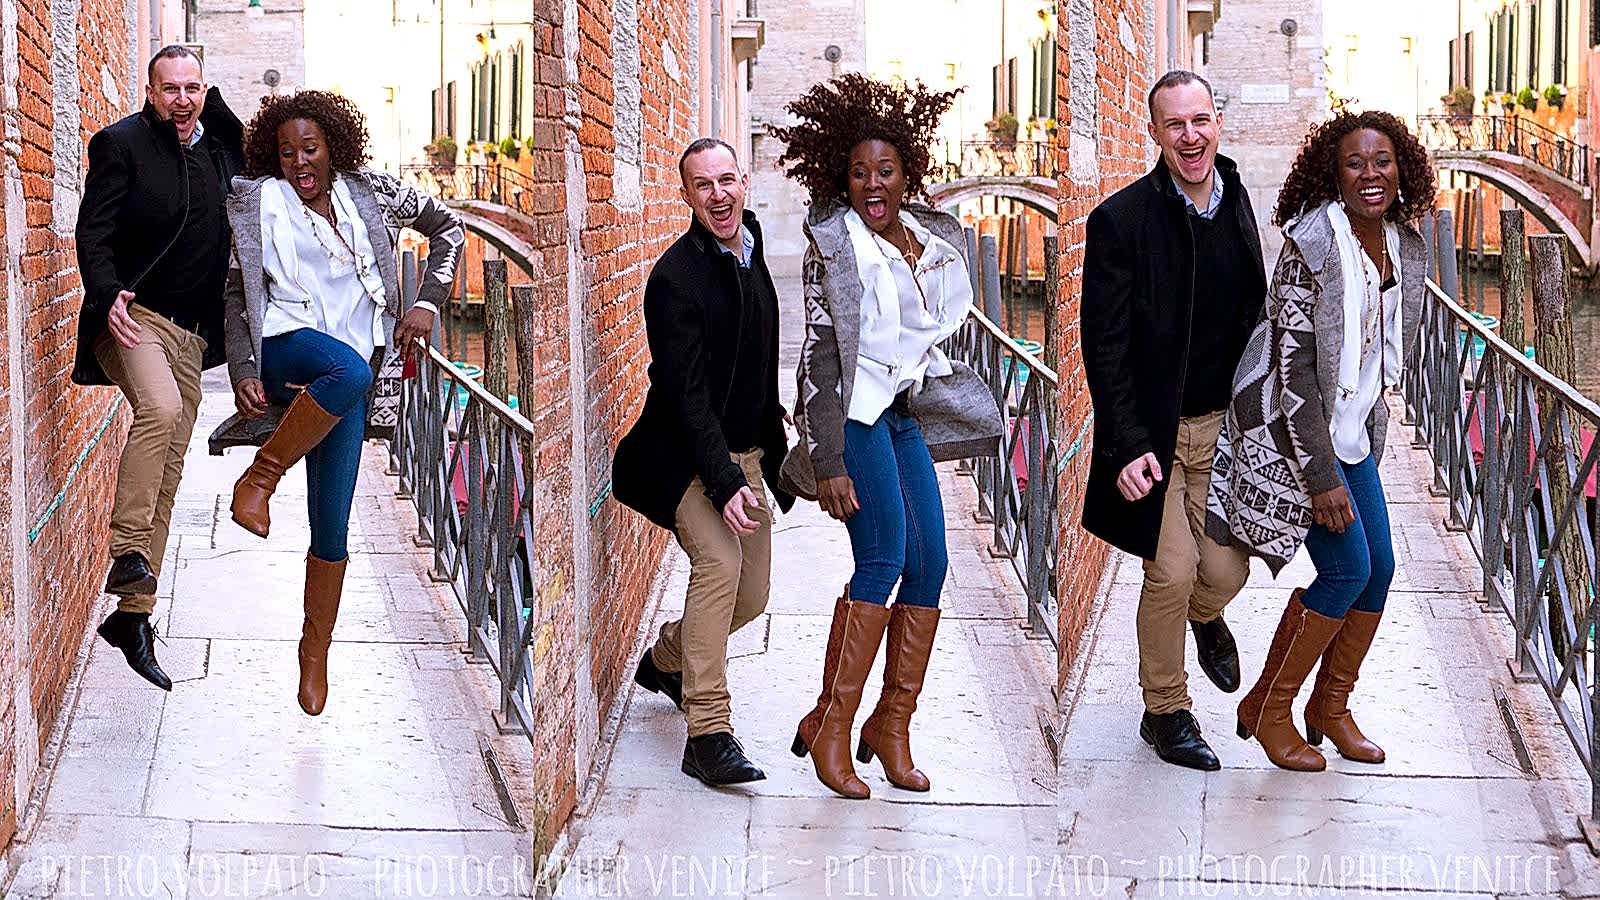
x: 250, y: 397
x: 1332, y: 510
x: 416, y: 323
x: 838, y: 497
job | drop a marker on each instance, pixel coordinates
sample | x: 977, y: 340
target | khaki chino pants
x: 161, y: 379
x: 729, y: 578
x: 1192, y: 576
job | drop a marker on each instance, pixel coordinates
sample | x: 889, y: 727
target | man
x: 710, y: 433
x: 153, y: 245
x: 1173, y: 283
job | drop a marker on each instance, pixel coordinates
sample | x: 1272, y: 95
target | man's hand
x: 1332, y: 510
x: 838, y: 497
x: 250, y: 397
x: 1138, y: 477
x: 733, y: 514
x: 123, y: 328
x: 416, y: 323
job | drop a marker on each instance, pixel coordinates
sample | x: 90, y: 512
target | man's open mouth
x: 721, y: 215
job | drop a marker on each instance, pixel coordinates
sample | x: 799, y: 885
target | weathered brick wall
x: 622, y: 239
x: 247, y: 46
x: 68, y: 75
x: 1105, y: 56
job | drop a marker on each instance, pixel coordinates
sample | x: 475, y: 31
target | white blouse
x: 904, y: 314
x: 318, y: 275
x: 1380, y: 357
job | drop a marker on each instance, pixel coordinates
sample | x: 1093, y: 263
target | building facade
x: 1265, y: 60
x: 252, y: 50
x: 807, y: 41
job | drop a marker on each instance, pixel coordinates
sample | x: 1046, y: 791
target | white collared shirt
x: 904, y: 314
x: 321, y: 287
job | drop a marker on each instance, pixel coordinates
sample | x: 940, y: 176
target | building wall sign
x: 1263, y: 93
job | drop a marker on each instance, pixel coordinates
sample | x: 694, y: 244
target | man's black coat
x: 692, y: 317
x: 133, y: 205
x: 1138, y: 314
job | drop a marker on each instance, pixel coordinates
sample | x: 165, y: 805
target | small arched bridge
x: 1018, y: 170
x: 1543, y: 172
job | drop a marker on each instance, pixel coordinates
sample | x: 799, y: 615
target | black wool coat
x: 132, y: 208
x: 692, y: 305
x: 1137, y: 319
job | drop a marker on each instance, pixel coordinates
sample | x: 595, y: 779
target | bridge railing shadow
x: 1514, y: 457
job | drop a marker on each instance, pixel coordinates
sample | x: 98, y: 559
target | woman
x: 884, y: 284
x: 1308, y: 418
x: 309, y: 312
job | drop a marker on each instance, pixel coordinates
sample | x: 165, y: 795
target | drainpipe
x: 718, y: 38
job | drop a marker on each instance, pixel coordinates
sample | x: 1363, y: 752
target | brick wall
x: 245, y: 47
x: 1105, y: 64
x: 71, y: 57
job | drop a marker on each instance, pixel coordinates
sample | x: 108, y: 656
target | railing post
x: 1445, y: 252
x: 995, y: 470
x: 1513, y: 276
x: 496, y: 328
x: 1052, y: 354
x: 1552, y: 339
x: 1038, y: 502
x: 991, y: 280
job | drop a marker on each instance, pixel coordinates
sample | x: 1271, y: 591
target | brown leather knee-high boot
x: 324, y: 585
x: 853, y: 641
x: 887, y: 732
x: 302, y: 428
x: 1328, y: 710
x: 1264, y: 713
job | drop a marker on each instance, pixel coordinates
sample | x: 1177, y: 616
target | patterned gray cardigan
x: 832, y: 291
x: 1276, y: 449
x: 387, y: 205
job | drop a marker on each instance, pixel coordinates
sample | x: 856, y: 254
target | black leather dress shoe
x: 651, y: 678
x: 130, y: 576
x: 718, y: 759
x: 1176, y: 737
x: 1219, y: 655
x: 131, y: 633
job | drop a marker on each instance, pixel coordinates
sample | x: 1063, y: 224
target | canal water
x: 1481, y: 292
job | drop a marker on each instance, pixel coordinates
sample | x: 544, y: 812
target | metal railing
x: 494, y: 183
x: 458, y: 452
x: 1508, y: 134
x: 992, y: 159
x: 1507, y: 442
x: 1017, y: 486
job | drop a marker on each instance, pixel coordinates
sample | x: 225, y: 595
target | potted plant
x: 1003, y: 129
x: 1528, y: 100
x: 511, y: 149
x: 1460, y: 102
x: 491, y: 151
x: 442, y: 152
x: 1555, y: 96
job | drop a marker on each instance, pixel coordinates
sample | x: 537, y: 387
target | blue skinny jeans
x: 1354, y: 569
x: 898, y: 534
x: 337, y: 378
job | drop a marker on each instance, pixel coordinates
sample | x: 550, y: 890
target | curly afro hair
x: 837, y: 115
x: 1313, y: 179
x: 342, y: 124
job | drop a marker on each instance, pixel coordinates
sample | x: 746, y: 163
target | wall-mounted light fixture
x: 254, y: 9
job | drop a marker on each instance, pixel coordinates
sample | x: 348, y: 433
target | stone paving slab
x: 976, y: 734
x: 224, y: 787
x: 1451, y: 813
